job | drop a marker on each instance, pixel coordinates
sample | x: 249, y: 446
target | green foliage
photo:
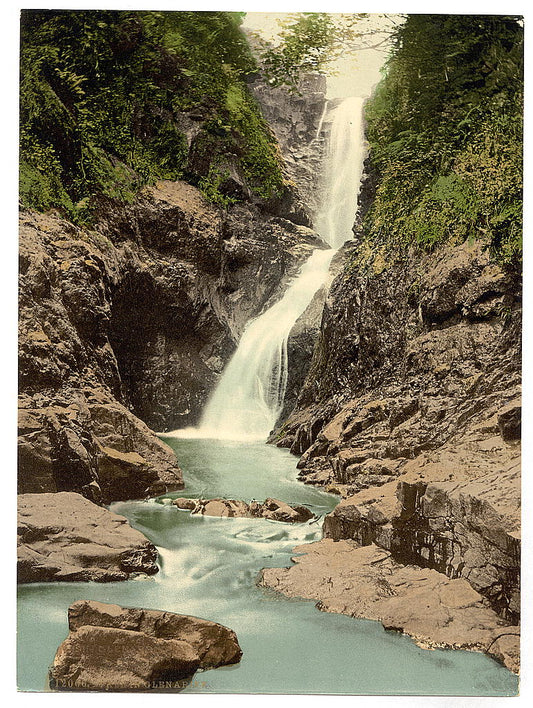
x: 103, y: 97
x: 445, y: 133
x: 307, y: 42
x: 311, y: 42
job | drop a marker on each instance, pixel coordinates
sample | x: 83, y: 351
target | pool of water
x: 208, y: 568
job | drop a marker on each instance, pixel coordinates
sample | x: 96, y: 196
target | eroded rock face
x: 112, y: 648
x: 434, y: 610
x: 129, y: 326
x: 272, y: 509
x: 398, y: 369
x: 411, y: 410
x: 65, y: 537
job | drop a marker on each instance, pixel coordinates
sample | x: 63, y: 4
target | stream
x: 208, y: 568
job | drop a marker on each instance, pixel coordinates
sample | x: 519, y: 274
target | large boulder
x: 215, y: 644
x: 112, y: 648
x: 64, y: 536
x: 105, y: 659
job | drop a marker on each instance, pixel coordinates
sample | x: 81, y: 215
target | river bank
x: 208, y: 567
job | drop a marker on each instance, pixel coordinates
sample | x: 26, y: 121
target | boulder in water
x: 215, y: 644
x: 272, y: 509
x: 113, y: 648
x: 63, y: 536
x: 108, y: 659
x: 279, y: 511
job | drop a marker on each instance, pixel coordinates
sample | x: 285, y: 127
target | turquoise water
x: 208, y: 568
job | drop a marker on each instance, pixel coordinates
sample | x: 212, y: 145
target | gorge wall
x: 411, y: 411
x: 133, y: 323
x: 127, y: 322
x: 411, y: 406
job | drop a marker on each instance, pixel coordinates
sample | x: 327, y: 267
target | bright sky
x: 354, y: 75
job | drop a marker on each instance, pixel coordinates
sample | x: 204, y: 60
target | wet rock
x: 366, y: 582
x: 214, y: 644
x: 272, y: 509
x: 279, y: 511
x: 184, y: 503
x: 63, y: 536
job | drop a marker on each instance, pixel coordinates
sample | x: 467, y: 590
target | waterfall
x: 249, y: 397
x: 342, y: 176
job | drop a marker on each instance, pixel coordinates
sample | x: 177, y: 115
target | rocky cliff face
x: 411, y: 411
x: 295, y: 118
x: 129, y: 325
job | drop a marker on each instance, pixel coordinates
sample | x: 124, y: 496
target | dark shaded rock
x: 295, y: 118
x: 63, y: 536
x: 510, y: 421
x: 107, y: 659
x: 215, y: 644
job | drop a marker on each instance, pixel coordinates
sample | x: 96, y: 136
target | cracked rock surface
x: 65, y: 537
x: 366, y: 582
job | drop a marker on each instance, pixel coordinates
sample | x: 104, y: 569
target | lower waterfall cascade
x: 248, y: 399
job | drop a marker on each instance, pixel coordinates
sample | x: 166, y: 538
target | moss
x: 445, y: 134
x: 102, y: 100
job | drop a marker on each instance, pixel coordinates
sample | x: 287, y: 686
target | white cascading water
x: 342, y: 177
x: 249, y: 397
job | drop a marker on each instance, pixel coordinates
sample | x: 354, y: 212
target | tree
x: 312, y: 41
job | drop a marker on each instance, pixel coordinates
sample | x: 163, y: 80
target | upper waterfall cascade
x: 249, y: 397
x: 342, y: 174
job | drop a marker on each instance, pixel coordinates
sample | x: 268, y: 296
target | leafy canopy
x: 105, y: 96
x: 445, y: 134
x: 313, y: 41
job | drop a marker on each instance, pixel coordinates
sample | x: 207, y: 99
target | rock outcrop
x: 272, y: 509
x: 430, y: 517
x: 365, y: 581
x: 411, y: 411
x: 65, y: 537
x: 129, y: 326
x: 112, y: 648
x: 295, y: 118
